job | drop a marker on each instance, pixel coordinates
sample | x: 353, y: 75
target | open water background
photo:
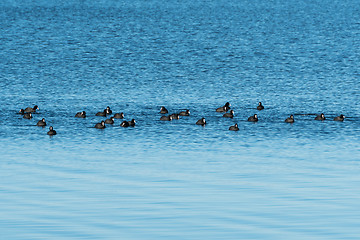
x: 177, y: 180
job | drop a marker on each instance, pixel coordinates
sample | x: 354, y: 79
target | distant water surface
x: 177, y: 180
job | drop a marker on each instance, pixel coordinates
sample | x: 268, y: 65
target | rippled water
x: 177, y: 180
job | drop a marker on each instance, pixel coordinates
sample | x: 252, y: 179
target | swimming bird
x: 100, y: 125
x: 81, y: 114
x: 41, y: 123
x: 253, y: 118
x: 31, y: 109
x: 290, y: 119
x: 22, y: 111
x: 320, y: 117
x: 339, y: 118
x: 163, y: 110
x: 119, y: 115
x: 166, y: 118
x: 101, y: 114
x: 51, y: 131
x: 124, y: 124
x: 234, y: 128
x: 260, y: 106
x: 201, y: 122
x: 27, y: 116
x: 108, y: 110
x: 185, y: 113
x: 110, y: 120
x: 229, y: 114
x: 132, y: 123
x: 224, y: 108
x: 175, y: 116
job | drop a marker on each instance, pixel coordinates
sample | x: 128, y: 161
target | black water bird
x: 185, y: 113
x: 119, y: 115
x: 320, y: 117
x: 51, y: 131
x: 108, y: 110
x: 100, y: 125
x: 41, y: 123
x: 124, y: 124
x: 253, y: 118
x: 224, y: 108
x: 234, y: 128
x: 201, y: 122
x: 27, y: 116
x: 101, y: 114
x: 175, y: 116
x: 132, y: 123
x: 110, y: 120
x: 290, y: 119
x: 339, y: 118
x: 163, y: 110
x: 229, y: 114
x: 260, y: 106
x: 166, y: 118
x: 81, y: 114
x: 31, y: 109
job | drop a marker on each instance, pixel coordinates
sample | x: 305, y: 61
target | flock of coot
x: 106, y: 112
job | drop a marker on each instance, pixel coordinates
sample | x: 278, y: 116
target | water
x: 177, y: 180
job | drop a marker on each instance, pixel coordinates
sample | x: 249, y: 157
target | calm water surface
x: 177, y: 180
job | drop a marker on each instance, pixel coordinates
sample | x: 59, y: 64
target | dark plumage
x: 320, y: 117
x: 41, y: 123
x: 224, y: 108
x: 110, y: 120
x: 290, y: 119
x: 101, y: 114
x: 339, y: 118
x: 22, y: 111
x: 253, y: 118
x: 27, y: 116
x: 163, y: 110
x: 234, y: 128
x: 132, y: 123
x: 51, y: 131
x: 100, y: 125
x: 260, y: 106
x: 81, y: 114
x: 31, y: 109
x: 166, y: 118
x: 185, y: 113
x: 119, y: 115
x: 175, y: 116
x: 201, y: 122
x: 108, y: 110
x: 229, y: 114
x: 124, y: 124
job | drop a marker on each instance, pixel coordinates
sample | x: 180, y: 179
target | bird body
x: 185, y: 113
x: 41, y: 123
x: 229, y: 114
x: 290, y: 119
x: 260, y: 106
x: 320, y: 117
x: 51, y: 131
x: 234, y: 128
x: 81, y: 114
x: 201, y: 121
x: 31, y: 109
x: 253, y: 118
x: 100, y: 125
x: 339, y: 118
x: 163, y: 110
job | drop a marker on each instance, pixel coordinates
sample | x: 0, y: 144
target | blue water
x: 177, y: 180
